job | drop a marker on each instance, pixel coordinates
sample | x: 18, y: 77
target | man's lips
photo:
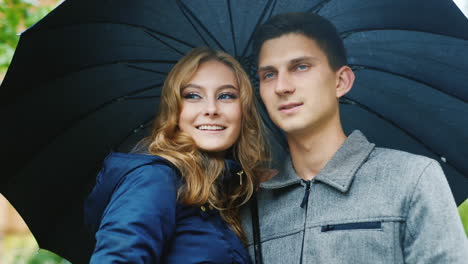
x: 288, y: 106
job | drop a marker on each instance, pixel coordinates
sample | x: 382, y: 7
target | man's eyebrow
x: 290, y: 62
x: 266, y: 68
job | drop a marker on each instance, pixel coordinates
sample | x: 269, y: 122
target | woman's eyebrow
x: 224, y: 86
x: 228, y: 86
x: 192, y: 86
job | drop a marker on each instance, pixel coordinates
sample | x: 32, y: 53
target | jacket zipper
x: 306, y: 194
x: 304, y: 204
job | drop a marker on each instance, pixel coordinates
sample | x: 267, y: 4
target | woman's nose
x: 211, y: 108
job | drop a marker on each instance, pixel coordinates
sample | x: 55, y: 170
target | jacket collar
x: 338, y: 172
x: 232, y: 167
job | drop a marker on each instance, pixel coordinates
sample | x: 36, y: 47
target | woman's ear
x: 345, y: 79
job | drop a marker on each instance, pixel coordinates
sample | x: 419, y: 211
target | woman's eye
x: 225, y: 96
x: 191, y: 96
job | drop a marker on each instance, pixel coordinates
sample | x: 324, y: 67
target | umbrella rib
x: 347, y: 100
x: 272, y: 9
x: 88, y: 113
x: 316, y: 8
x: 128, y: 98
x: 146, y: 69
x: 143, y: 61
x: 357, y: 67
x: 118, y: 99
x: 181, y: 7
x: 164, y: 43
x: 232, y: 28
x: 346, y: 34
x: 257, y: 24
x: 158, y: 33
x: 149, y: 30
x: 146, y: 29
x: 198, y: 32
x: 125, y: 62
x: 185, y: 9
x: 135, y: 130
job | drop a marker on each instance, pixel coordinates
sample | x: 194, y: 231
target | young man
x: 340, y: 199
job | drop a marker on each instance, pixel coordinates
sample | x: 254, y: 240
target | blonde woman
x: 179, y: 203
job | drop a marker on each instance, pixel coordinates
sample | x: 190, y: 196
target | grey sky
x: 463, y: 5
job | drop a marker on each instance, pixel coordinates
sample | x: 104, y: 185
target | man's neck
x: 310, y: 152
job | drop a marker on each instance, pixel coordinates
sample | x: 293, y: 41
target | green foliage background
x: 15, y: 17
x: 463, y: 210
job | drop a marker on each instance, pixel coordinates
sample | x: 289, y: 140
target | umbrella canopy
x: 86, y: 80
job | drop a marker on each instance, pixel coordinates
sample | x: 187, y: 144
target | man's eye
x: 225, y: 96
x: 191, y: 96
x: 268, y: 75
x: 302, y: 67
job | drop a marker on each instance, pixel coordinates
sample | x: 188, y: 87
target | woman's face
x: 211, y: 109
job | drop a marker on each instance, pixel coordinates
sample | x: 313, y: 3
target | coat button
x: 203, y: 208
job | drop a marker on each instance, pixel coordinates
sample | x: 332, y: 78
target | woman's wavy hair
x: 203, y: 172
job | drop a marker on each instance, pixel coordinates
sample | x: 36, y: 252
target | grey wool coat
x: 368, y: 205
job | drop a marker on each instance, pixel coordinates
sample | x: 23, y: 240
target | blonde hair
x: 201, y: 171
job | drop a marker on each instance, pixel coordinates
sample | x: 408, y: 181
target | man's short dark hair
x: 311, y: 25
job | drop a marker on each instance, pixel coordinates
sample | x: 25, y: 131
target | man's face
x: 297, y: 84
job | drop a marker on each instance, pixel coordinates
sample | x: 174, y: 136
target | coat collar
x: 338, y: 172
x: 232, y: 166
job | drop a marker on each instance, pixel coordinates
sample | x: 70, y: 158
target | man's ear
x: 345, y: 79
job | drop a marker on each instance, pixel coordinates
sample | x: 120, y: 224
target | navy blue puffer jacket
x: 136, y: 218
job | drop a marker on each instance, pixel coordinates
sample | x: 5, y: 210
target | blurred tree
x: 15, y: 17
x: 44, y: 256
x: 463, y: 210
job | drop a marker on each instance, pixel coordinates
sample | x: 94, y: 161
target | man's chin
x: 291, y: 128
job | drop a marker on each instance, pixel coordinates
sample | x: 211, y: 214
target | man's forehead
x: 287, y: 49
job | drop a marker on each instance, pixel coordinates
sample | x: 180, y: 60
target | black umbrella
x: 86, y: 80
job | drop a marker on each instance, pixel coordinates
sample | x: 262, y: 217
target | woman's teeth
x: 205, y: 127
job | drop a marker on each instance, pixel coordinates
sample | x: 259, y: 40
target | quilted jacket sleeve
x: 139, y: 220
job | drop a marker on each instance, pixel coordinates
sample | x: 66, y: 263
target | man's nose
x: 284, y: 85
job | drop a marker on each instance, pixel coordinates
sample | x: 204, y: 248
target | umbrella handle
x: 256, y: 229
